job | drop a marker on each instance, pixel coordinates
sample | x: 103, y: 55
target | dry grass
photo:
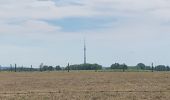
x: 85, y: 86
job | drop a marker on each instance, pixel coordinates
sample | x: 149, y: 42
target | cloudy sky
x: 52, y: 31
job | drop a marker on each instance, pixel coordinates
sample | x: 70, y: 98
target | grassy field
x: 85, y: 86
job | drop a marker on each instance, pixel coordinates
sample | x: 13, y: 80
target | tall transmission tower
x: 84, y: 51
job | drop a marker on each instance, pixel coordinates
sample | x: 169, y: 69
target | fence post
x: 68, y: 67
x: 152, y: 67
x: 22, y: 68
x: 11, y: 67
x: 123, y: 68
x: 0, y: 67
x: 15, y: 67
x: 31, y: 68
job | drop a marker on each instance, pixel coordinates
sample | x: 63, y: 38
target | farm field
x: 85, y: 86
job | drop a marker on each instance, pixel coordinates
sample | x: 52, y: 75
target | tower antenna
x: 84, y: 51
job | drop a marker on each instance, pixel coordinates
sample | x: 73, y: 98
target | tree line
x: 156, y: 68
x: 123, y: 67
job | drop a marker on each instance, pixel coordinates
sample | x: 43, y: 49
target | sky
x: 53, y: 31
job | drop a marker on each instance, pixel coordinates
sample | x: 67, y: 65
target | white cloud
x: 27, y: 27
x: 47, y: 9
x: 33, y: 9
x: 40, y: 26
x: 36, y: 9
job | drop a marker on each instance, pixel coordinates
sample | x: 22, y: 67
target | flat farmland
x: 85, y: 86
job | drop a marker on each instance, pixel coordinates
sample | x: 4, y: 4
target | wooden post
x: 68, y: 67
x: 41, y: 66
x: 152, y: 67
x: 15, y: 67
x: 22, y: 68
x: 96, y: 69
x: 11, y: 67
x: 31, y: 68
x: 123, y: 68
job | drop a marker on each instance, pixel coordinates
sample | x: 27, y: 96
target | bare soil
x: 85, y: 86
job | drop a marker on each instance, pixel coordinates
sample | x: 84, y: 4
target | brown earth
x: 85, y: 86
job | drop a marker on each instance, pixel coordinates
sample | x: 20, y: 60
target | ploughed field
x: 85, y: 86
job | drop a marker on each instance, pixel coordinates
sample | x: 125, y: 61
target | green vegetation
x: 116, y: 67
x: 85, y: 67
x: 119, y: 66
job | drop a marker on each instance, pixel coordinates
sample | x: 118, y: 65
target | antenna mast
x: 84, y: 51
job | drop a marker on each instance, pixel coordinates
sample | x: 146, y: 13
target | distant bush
x: 141, y: 66
x: 162, y: 68
x: 85, y: 67
x: 118, y: 66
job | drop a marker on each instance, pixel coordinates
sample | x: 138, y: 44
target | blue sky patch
x: 67, y: 2
x: 81, y: 24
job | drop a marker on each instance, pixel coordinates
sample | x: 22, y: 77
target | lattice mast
x: 84, y: 51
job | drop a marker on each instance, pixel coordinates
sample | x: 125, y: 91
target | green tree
x: 115, y: 66
x: 124, y: 66
x: 41, y: 67
x: 161, y: 68
x: 119, y: 66
x: 141, y: 66
x: 167, y: 68
x: 50, y: 68
x: 45, y: 68
x: 85, y: 67
x: 58, y: 68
